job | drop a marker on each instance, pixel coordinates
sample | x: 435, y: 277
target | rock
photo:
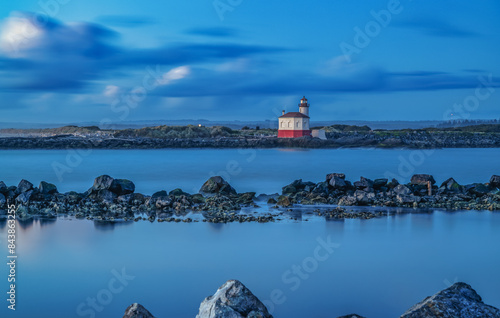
x: 106, y: 196
x: 197, y: 198
x: 122, y: 186
x: 422, y: 179
x: 331, y: 175
x: 478, y: 189
x: 233, y: 300
x: 402, y: 190
x: 379, y: 183
x: 24, y: 197
x: 450, y: 185
x: 494, y: 182
x: 459, y: 300
x: 321, y: 188
x: 24, y: 186
x: 3, y: 188
x: 364, y: 198
x: 394, y: 183
x: 337, y: 183
x: 405, y: 199
x: 284, y: 201
x: 347, y: 200
x: 351, y: 316
x: 125, y: 199
x: 217, y: 185
x: 137, y: 311
x: 103, y: 182
x: 3, y: 201
x: 289, y: 189
x: 47, y: 188
x: 163, y: 202
x: 271, y: 201
x: 363, y: 184
x: 178, y: 192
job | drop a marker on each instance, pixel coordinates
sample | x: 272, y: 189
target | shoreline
x: 414, y: 140
x: 112, y: 199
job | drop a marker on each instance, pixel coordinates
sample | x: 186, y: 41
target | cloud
x: 213, y: 32
x: 64, y: 56
x: 125, y: 21
x: 434, y: 27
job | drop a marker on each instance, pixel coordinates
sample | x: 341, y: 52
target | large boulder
x: 459, y: 300
x: 450, y: 185
x: 24, y: 186
x: 495, y: 181
x: 137, y: 311
x: 122, y: 186
x: 337, y: 182
x: 233, y: 300
x: 401, y: 189
x: 103, y: 182
x: 422, y: 179
x: 25, y: 197
x: 379, y: 183
x: 47, y: 188
x: 106, y: 196
x: 216, y: 185
x: 351, y: 316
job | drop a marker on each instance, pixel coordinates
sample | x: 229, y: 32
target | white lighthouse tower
x: 295, y: 124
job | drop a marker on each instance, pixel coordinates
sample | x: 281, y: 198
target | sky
x: 67, y: 61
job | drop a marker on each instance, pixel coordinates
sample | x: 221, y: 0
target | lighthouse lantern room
x: 295, y: 124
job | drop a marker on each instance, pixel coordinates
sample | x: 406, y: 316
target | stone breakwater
x: 335, y: 140
x: 235, y: 300
x: 112, y: 199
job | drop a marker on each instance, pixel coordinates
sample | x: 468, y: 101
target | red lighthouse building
x: 295, y: 124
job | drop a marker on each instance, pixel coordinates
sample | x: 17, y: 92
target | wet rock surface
x: 112, y: 199
x: 233, y: 300
x: 137, y: 311
x: 459, y: 300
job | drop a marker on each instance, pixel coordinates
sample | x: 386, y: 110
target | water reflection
x: 110, y: 225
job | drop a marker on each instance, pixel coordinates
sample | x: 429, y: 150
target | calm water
x: 262, y: 171
x: 378, y: 268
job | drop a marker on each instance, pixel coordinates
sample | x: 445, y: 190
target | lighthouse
x: 295, y: 124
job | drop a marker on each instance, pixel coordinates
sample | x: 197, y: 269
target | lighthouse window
x: 297, y: 124
x: 289, y: 125
x: 282, y: 124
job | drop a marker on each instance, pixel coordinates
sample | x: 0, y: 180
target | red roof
x: 294, y: 114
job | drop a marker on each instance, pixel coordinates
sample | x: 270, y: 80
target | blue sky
x: 109, y: 60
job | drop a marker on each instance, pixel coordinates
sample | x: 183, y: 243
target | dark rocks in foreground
x: 457, y: 301
x: 234, y: 300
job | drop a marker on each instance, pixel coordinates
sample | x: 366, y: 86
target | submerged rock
x: 351, y: 316
x: 459, y: 300
x: 233, y: 300
x: 215, y: 185
x: 137, y: 311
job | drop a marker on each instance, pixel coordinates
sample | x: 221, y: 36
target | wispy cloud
x: 435, y: 27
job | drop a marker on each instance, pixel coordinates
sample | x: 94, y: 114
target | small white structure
x: 319, y: 133
x: 295, y: 124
